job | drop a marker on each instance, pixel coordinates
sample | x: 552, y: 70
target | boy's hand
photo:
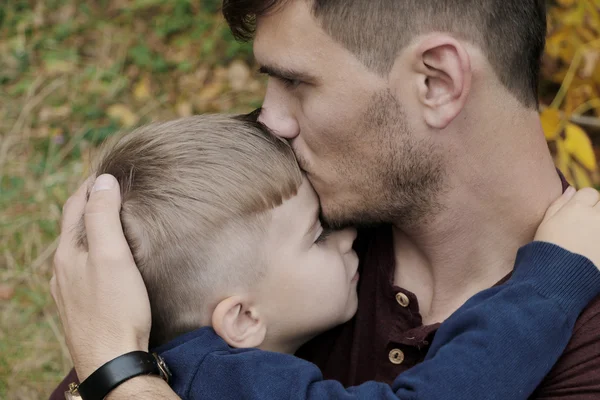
x: 100, y: 295
x: 573, y: 222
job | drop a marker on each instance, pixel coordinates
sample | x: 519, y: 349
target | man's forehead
x: 290, y: 29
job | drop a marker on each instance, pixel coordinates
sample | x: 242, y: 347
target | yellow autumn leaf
x: 550, y: 119
x: 586, y: 34
x: 554, y: 43
x: 581, y: 177
x: 566, y: 3
x: 567, y: 53
x: 579, y: 146
x: 563, y: 158
x: 211, y: 91
x: 593, y: 19
x: 576, y: 15
x: 123, y: 114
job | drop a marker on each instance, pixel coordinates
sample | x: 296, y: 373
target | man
x: 422, y: 116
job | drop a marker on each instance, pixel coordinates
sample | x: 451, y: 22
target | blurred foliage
x: 571, y: 91
x: 73, y: 72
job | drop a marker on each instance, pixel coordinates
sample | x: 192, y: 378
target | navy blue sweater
x: 498, y: 345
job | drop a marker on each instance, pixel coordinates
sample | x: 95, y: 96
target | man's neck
x: 472, y: 244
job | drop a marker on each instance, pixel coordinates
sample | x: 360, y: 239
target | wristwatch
x: 110, y: 375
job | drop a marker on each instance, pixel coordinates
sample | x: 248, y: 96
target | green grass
x: 63, y: 65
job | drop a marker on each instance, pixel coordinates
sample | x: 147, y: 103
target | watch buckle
x: 73, y: 392
x: 165, y: 372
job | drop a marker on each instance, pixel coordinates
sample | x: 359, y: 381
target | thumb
x: 102, y: 220
x: 560, y: 202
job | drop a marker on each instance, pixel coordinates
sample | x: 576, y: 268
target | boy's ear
x: 238, y: 324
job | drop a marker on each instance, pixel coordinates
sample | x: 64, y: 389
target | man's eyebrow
x: 286, y: 74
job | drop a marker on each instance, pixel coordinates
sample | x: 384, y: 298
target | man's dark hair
x: 511, y: 32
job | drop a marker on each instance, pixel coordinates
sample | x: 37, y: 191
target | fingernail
x: 103, y: 182
x: 570, y: 191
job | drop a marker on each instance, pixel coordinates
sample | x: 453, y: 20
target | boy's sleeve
x: 499, y: 345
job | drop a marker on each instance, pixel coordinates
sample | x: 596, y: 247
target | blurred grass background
x: 73, y: 72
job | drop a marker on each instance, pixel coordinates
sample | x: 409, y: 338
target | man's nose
x: 278, y: 116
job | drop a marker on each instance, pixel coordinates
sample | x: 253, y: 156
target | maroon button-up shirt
x: 359, y: 350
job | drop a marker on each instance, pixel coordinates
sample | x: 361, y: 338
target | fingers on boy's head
x: 183, y: 185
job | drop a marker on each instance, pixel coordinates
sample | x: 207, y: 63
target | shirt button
x: 402, y: 299
x: 396, y: 356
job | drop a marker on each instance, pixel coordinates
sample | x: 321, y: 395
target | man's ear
x: 238, y: 324
x: 444, y: 73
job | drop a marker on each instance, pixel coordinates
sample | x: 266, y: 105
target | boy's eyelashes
x: 290, y: 83
x: 323, y: 236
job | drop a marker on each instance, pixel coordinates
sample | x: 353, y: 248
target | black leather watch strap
x: 102, y: 381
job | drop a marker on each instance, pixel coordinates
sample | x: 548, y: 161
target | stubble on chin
x: 401, y: 181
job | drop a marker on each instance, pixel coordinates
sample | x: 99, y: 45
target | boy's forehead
x: 298, y: 213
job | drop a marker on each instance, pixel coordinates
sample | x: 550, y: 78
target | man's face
x: 346, y: 125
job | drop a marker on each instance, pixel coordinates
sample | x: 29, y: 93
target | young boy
x: 240, y: 273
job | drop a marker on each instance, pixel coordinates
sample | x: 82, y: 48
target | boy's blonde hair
x: 195, y: 195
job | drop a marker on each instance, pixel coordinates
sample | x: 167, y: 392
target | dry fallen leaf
x: 220, y: 73
x: 6, y: 291
x: 238, y: 75
x: 123, y: 114
x: 184, y: 108
x: 59, y: 67
x: 51, y: 113
x: 141, y: 90
x: 210, y: 91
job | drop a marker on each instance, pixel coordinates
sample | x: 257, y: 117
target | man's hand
x: 573, y: 222
x: 101, y: 297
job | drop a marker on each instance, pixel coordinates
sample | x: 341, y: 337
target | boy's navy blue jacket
x: 489, y: 349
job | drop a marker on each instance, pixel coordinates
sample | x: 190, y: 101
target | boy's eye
x: 290, y: 83
x: 323, y: 236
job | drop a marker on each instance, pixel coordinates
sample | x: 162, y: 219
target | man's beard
x: 402, y: 180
